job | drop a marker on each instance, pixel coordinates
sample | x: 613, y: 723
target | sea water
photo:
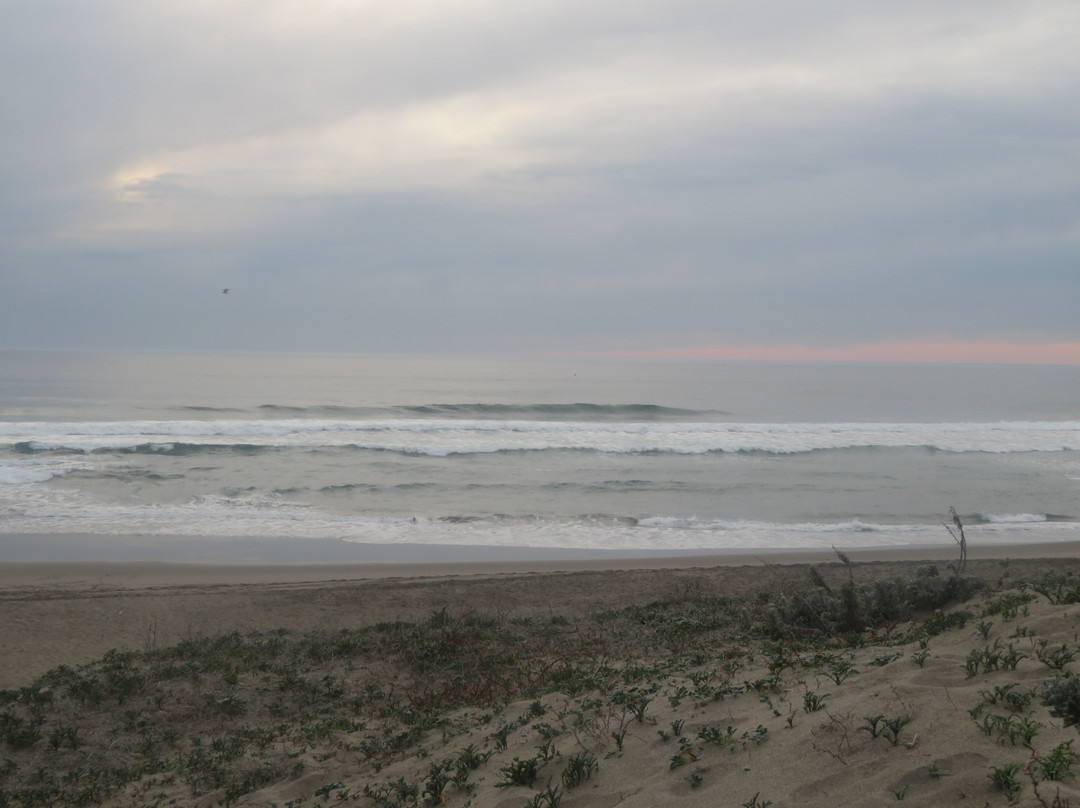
x: 599, y: 455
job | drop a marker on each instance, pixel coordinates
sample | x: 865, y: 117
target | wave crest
x: 441, y: 437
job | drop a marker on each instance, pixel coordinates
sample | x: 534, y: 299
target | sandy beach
x: 74, y: 613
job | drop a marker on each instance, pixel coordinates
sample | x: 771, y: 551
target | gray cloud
x: 382, y: 177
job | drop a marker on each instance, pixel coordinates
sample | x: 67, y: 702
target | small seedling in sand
x: 546, y: 730
x: 920, y: 657
x: 467, y: 761
x: 761, y: 685
x: 984, y: 628
x: 501, y: 736
x: 436, y: 783
x: 619, y: 736
x: 940, y: 621
x: 64, y: 736
x: 756, y: 736
x: 874, y: 725
x: 884, y: 659
x: 732, y: 666
x: 1011, y: 658
x: 1057, y: 764
x: 717, y: 736
x: 900, y: 793
x: 1008, y: 696
x: 893, y: 727
x: 536, y: 710
x: 1004, y: 778
x: 676, y: 730
x: 841, y: 669
x: 548, y: 798
x: 519, y: 773
x: 1057, y: 658
x: 812, y: 702
x: 989, y: 658
x: 766, y: 700
x: 780, y: 657
x: 1011, y: 728
x: 695, y: 780
x: 681, y: 758
x: 579, y: 768
x: 754, y: 802
x: 638, y: 706
x: 1009, y: 605
x: 635, y: 701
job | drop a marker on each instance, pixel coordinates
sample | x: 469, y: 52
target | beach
x: 746, y: 733
x: 73, y: 612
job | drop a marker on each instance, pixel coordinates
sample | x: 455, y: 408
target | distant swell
x: 197, y: 408
x: 164, y: 448
x: 580, y: 411
x: 186, y: 449
x: 528, y: 412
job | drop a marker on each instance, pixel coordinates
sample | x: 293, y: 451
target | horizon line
x: 928, y: 352
x: 1059, y: 354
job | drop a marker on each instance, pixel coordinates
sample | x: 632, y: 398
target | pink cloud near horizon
x: 995, y: 353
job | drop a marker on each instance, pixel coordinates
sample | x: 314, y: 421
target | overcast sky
x: 810, y: 178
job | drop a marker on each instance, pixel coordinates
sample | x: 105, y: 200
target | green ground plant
x: 812, y: 702
x: 519, y: 773
x: 841, y: 669
x: 579, y: 768
x: 1057, y: 764
x: 1009, y: 605
x: 1004, y: 778
x: 550, y: 797
x: 893, y: 726
x: 1060, y: 589
x: 755, y: 802
x: 1062, y: 695
x: 1055, y: 658
x: 1008, y: 696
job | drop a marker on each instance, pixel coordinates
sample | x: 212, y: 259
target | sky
x: 771, y: 179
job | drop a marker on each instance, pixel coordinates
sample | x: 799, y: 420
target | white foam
x: 21, y: 476
x: 854, y: 526
x: 29, y: 470
x: 1013, y: 518
x: 447, y: 437
x: 66, y: 511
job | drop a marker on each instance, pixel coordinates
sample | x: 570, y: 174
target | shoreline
x: 66, y: 560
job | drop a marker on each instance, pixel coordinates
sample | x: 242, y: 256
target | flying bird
x: 224, y: 291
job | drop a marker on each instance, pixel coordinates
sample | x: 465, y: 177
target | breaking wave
x: 444, y: 437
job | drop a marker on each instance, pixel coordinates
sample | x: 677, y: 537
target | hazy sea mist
x: 575, y: 455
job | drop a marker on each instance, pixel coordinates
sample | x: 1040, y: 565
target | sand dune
x: 673, y: 709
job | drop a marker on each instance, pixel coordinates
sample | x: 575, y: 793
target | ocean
x: 566, y: 456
